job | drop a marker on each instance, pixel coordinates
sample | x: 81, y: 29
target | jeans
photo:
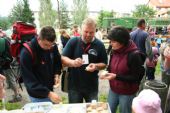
x: 124, y: 102
x: 78, y: 96
x: 33, y: 99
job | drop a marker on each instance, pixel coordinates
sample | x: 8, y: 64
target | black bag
x: 65, y: 73
x: 28, y: 46
x: 64, y: 80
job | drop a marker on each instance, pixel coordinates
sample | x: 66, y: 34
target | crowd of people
x: 9, y: 67
x: 85, y: 55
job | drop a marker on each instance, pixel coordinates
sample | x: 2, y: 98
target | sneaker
x: 16, y: 98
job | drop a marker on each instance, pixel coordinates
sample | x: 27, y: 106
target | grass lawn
x: 158, y: 69
x: 11, y: 106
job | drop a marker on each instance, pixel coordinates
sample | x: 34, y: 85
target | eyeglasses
x: 46, y: 44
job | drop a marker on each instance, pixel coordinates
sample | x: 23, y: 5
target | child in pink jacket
x: 151, y: 64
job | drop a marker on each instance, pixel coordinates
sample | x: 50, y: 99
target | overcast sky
x: 122, y: 6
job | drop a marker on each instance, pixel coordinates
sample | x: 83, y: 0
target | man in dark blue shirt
x: 139, y: 36
x: 84, y: 56
x: 41, y: 69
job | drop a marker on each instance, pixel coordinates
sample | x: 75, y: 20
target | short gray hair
x: 89, y: 21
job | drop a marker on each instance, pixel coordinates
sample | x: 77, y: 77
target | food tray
x: 47, y: 107
x: 69, y: 108
x: 99, y: 107
x: 39, y: 107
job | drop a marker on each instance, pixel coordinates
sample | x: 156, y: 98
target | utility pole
x: 58, y: 12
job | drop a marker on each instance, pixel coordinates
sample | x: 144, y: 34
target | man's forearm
x: 67, y: 61
x: 100, y: 66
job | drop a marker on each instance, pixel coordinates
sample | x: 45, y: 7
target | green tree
x: 142, y: 11
x: 47, y: 16
x: 22, y: 12
x: 16, y: 12
x: 27, y: 13
x: 80, y: 11
x: 102, y: 15
x: 5, y: 23
x: 64, y: 18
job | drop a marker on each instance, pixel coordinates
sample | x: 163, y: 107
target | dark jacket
x: 38, y: 72
x: 128, y: 68
x: 139, y: 37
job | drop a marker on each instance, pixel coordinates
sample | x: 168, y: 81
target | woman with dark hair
x: 125, y: 70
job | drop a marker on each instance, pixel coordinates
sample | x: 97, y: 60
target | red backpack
x: 22, y: 32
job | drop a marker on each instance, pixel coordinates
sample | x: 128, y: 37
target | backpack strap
x: 53, y: 56
x: 136, y: 51
x: 28, y: 47
x: 2, y: 45
x: 131, y: 53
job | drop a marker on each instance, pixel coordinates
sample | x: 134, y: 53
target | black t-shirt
x: 80, y: 79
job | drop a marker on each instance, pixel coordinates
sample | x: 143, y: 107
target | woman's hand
x: 108, y: 76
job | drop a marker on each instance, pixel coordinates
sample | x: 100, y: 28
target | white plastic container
x: 39, y: 107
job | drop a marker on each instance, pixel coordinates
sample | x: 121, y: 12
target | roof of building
x: 160, y: 3
x: 161, y: 12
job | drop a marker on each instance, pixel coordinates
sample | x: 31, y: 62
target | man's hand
x: 91, y: 67
x: 57, y: 81
x: 54, y: 97
x: 77, y: 62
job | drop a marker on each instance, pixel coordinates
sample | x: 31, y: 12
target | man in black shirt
x: 85, y: 56
x: 41, y: 68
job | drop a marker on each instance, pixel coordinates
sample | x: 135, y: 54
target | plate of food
x: 98, y: 107
x: 102, y: 73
